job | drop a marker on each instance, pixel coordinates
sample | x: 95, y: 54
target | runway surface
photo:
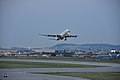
x: 23, y: 73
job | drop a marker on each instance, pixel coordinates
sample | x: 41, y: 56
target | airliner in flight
x: 63, y: 36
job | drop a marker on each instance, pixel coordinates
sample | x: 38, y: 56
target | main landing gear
x: 65, y: 39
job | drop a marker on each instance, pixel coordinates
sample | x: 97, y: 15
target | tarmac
x: 24, y: 73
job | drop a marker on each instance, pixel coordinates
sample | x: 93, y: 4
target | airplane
x: 63, y: 36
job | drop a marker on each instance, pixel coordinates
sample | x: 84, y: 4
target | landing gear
x: 65, y: 39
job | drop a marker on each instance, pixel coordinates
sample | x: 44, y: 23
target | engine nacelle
x: 56, y: 38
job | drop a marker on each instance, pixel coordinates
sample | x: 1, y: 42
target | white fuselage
x: 66, y: 32
x: 63, y: 34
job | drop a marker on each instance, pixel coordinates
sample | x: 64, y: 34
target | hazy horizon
x: 58, y: 44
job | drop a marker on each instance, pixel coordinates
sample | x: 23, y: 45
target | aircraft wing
x: 49, y: 35
x: 69, y: 36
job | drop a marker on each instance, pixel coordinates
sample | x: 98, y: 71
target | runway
x: 23, y: 73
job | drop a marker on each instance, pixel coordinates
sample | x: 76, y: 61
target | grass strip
x: 116, y: 60
x: 23, y: 64
x: 88, y: 75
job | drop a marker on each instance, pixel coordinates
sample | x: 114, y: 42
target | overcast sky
x: 95, y: 21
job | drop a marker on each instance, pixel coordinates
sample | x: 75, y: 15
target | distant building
x: 7, y: 51
x: 113, y: 51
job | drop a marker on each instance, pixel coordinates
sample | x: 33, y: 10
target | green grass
x: 23, y: 64
x: 67, y: 59
x: 88, y: 75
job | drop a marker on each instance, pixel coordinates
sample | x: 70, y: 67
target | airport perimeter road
x: 23, y: 73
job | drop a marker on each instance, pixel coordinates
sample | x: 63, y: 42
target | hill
x: 65, y: 46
